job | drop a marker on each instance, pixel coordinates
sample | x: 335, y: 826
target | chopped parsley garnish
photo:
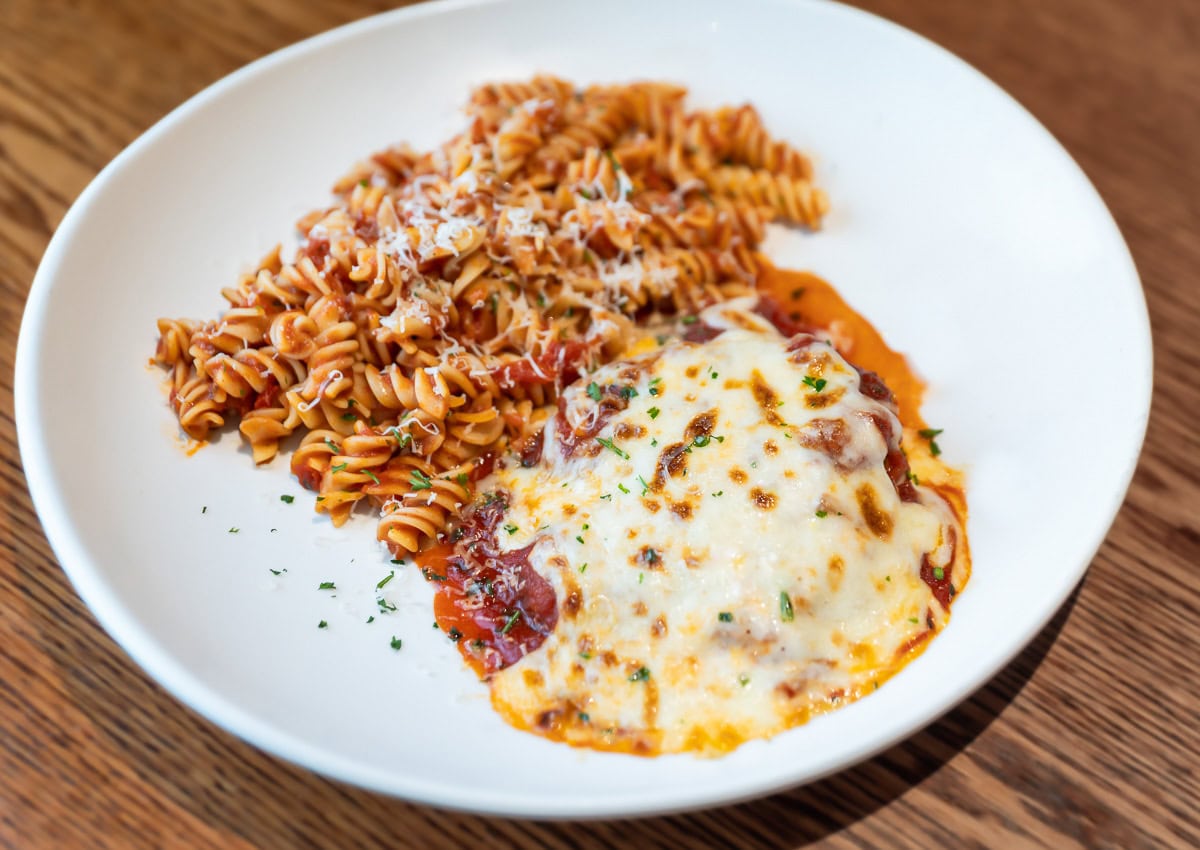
x: 338, y: 467
x: 613, y: 447
x: 654, y: 411
x: 204, y: 509
x: 396, y: 642
x: 234, y: 530
x: 397, y: 560
x: 719, y: 493
x: 371, y: 475
x: 714, y: 376
x: 628, y: 392
x: 641, y: 674
x: 583, y: 568
x: 584, y: 717
x: 622, y: 488
x: 326, y: 585
x: 579, y: 537
x: 817, y: 384
x: 511, y: 529
x: 593, y: 391
x: 371, y: 619
x: 322, y: 625
x: 689, y: 320
x: 510, y: 621
x: 641, y: 577
x: 349, y: 417
x: 454, y: 634
x: 913, y: 620
x: 419, y: 480
x: 743, y: 680
x: 701, y: 441
x: 786, y: 612
x: 822, y: 514
x: 912, y: 476
x: 645, y: 486
x: 939, y: 573
x: 383, y: 581
x: 929, y: 434
x: 287, y: 499
x: 462, y: 479
x: 725, y: 617
x: 384, y: 605
x: 333, y: 447
x: 651, y: 556
x: 276, y: 572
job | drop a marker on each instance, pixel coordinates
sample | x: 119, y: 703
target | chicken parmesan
x: 710, y: 542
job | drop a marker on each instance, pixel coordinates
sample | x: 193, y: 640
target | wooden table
x: 1089, y: 739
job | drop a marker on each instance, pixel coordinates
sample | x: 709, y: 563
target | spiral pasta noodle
x: 432, y: 314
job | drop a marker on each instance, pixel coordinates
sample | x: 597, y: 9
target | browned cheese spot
x: 647, y: 558
x: 625, y: 431
x: 877, y: 519
x: 828, y: 436
x: 533, y: 678
x: 682, y: 510
x: 817, y: 401
x: 762, y: 499
x: 766, y: 397
x: 702, y: 425
x: 572, y: 603
x: 651, y: 505
x: 672, y: 461
x: 639, y: 608
x: 770, y: 447
x: 659, y: 627
x: 692, y: 371
x: 569, y: 510
x: 737, y: 476
x: 632, y: 533
x: 787, y: 473
x: 734, y: 383
x: 837, y: 569
x: 609, y: 658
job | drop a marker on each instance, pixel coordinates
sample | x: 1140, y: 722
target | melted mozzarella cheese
x: 728, y: 552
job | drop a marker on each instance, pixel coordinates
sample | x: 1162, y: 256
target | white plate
x: 959, y: 226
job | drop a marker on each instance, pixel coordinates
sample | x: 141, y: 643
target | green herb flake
x: 348, y: 417
x: 462, y: 479
x: 234, y: 530
x: 725, y: 617
x: 613, y: 447
x: 786, y: 612
x: 287, y: 499
x: 371, y: 619
x: 396, y: 642
x: 654, y: 411
x: 817, y: 384
x: 397, y: 560
x: 719, y: 493
x: 714, y: 376
x: 379, y: 585
x: 701, y: 441
x: 645, y: 486
x: 822, y: 514
x: 326, y: 585
x: 628, y: 392
x: 743, y: 680
x: 384, y: 605
x: 510, y: 621
x: 583, y: 568
x: 641, y: 674
x: 338, y: 467
x: 276, y: 572
x: 939, y: 573
x: 579, y: 537
x: 419, y: 480
x: 371, y: 475
x: 322, y: 625
x: 594, y: 392
x: 204, y: 509
x: 454, y: 634
x: 913, y: 620
x: 689, y: 320
x: 333, y: 447
x: 584, y: 717
x: 511, y: 529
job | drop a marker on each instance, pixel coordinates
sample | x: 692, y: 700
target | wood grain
x: 1091, y: 738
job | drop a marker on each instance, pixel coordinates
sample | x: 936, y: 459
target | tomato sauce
x: 493, y: 604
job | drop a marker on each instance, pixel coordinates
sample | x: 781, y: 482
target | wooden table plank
x: 1090, y: 738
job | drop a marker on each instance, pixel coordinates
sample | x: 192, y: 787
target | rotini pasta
x: 434, y: 312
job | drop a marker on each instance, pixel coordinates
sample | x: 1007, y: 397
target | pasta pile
x: 435, y: 311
